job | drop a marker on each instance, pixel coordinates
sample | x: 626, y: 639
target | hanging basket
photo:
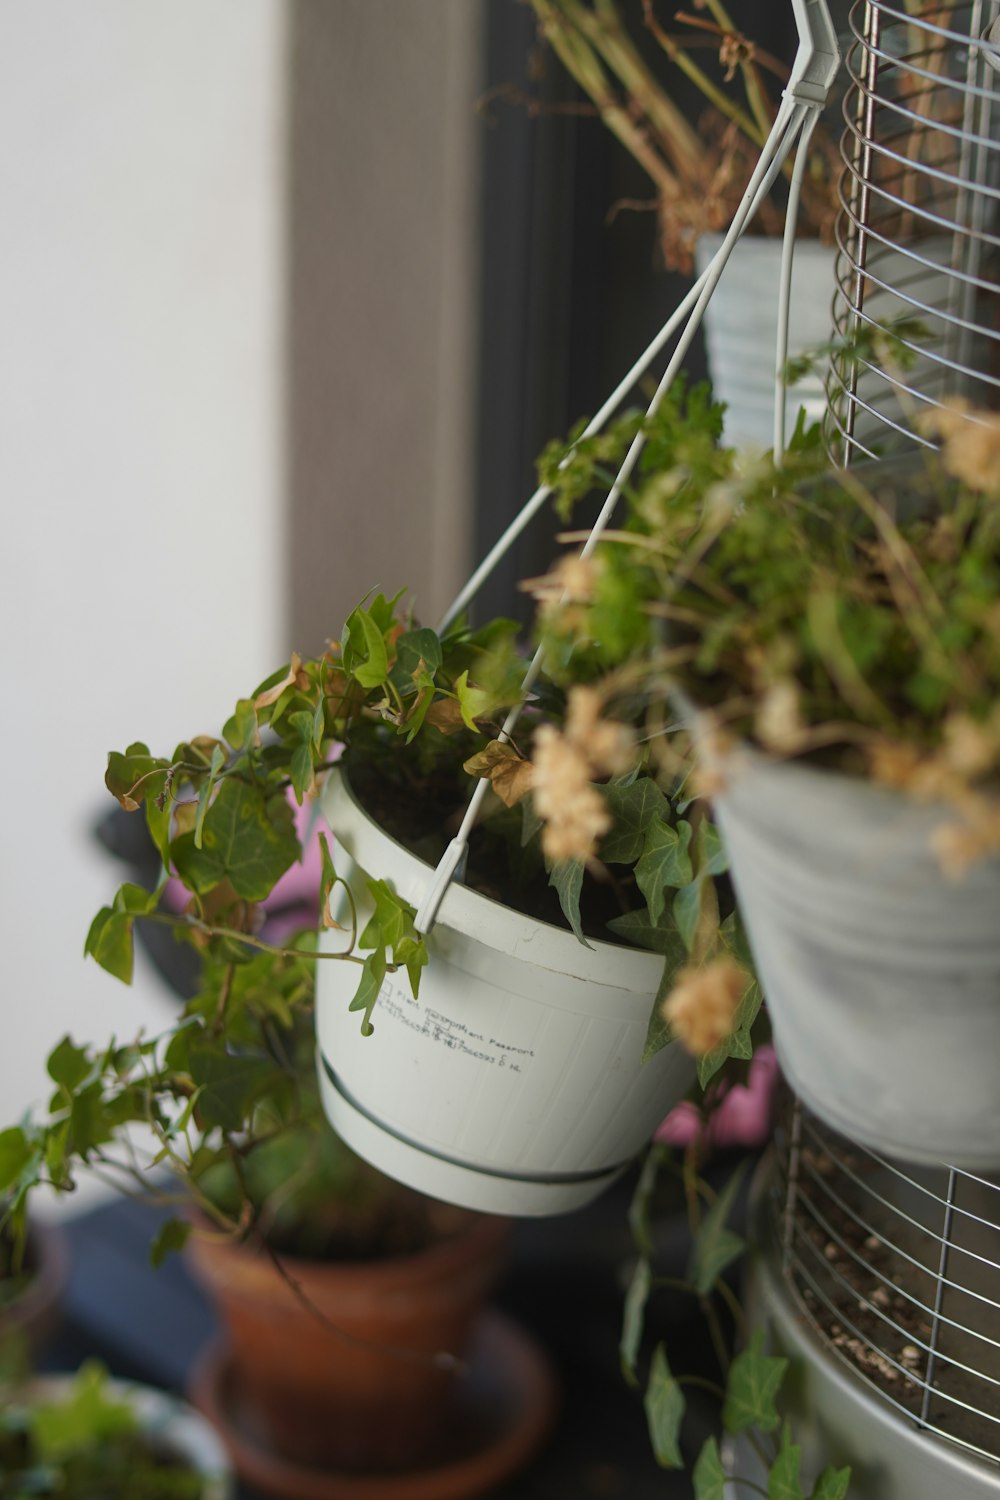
x: 515, y: 1084
x: 882, y: 975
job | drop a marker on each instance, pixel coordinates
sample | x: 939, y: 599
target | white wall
x: 141, y: 280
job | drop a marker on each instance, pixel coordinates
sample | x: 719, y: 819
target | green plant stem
x: 581, y: 63
x: 715, y: 1333
x: 732, y: 1302
x: 700, y: 1382
x: 678, y: 139
x: 207, y: 929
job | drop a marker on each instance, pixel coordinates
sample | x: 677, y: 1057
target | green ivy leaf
x: 248, y: 839
x: 390, y: 920
x: 240, y: 730
x: 832, y: 1484
x: 664, y: 1404
x: 566, y: 878
x: 711, y: 857
x: 205, y: 791
x: 634, y: 927
x: 754, y: 1381
x: 632, y: 1319
x: 473, y: 702
x: 329, y: 882
x: 783, y: 1482
x: 230, y: 1084
x: 659, y: 1033
x: 368, y: 657
x: 301, y: 768
x: 128, y: 777
x: 158, y: 823
x: 664, y: 862
x: 109, y: 942
x: 68, y: 1065
x: 708, y: 1476
x: 372, y: 976
x: 412, y: 953
x: 715, y: 1246
x: 738, y: 1043
x: 171, y: 1237
x: 15, y: 1154
x: 90, y: 1124
x: 687, y: 911
x: 412, y: 648
x: 633, y: 809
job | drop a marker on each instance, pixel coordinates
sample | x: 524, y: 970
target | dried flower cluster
x: 970, y: 750
x: 970, y: 444
x: 571, y: 807
x: 702, y: 1005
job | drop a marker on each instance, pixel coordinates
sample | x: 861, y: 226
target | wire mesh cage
x: 897, y: 1269
x: 918, y: 234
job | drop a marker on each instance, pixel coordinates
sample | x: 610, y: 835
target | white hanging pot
x: 741, y: 327
x: 881, y: 975
x: 514, y: 1085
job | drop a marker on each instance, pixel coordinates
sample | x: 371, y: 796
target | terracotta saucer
x: 502, y: 1412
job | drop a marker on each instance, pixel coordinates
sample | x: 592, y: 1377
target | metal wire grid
x: 918, y: 233
x: 898, y: 1272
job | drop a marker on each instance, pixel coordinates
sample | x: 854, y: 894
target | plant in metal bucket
x: 829, y: 640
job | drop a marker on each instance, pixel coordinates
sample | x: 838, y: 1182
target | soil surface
x: 425, y: 816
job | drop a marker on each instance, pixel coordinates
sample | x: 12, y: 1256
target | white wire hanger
x: 814, y: 70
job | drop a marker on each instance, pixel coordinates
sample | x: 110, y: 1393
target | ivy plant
x: 414, y: 717
x: 748, y: 1384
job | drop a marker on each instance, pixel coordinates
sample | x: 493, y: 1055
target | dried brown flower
x: 572, y: 579
x: 607, y: 745
x: 702, y: 1005
x: 573, y: 811
x: 970, y: 444
x: 970, y: 748
x: 778, y: 723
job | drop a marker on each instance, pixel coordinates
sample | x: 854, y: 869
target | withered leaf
x: 445, y: 715
x: 499, y: 763
x: 272, y: 694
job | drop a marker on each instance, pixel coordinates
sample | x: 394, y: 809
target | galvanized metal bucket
x: 881, y: 975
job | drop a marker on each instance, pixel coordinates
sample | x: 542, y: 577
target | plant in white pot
x: 832, y: 641
x: 629, y: 67
x: 506, y: 1070
x: 84, y: 1436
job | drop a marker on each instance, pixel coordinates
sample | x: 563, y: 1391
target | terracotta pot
x: 346, y: 1371
x: 34, y: 1315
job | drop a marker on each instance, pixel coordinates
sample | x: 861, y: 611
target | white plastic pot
x: 881, y: 975
x: 741, y: 327
x: 514, y: 1085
